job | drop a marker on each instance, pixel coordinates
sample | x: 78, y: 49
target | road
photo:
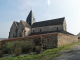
x: 71, y: 54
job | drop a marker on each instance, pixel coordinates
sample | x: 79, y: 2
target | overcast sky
x: 16, y: 10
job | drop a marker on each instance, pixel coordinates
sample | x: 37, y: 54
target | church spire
x: 30, y: 18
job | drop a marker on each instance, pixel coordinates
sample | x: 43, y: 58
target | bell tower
x: 30, y: 19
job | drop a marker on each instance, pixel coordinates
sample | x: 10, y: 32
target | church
x: 31, y: 27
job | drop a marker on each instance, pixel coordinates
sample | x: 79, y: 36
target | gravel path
x: 72, y: 54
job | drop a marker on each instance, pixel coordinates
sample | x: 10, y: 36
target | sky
x: 16, y: 10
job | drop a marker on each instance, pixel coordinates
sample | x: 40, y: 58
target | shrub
x: 9, y: 47
x: 18, y: 51
x: 1, y: 53
x: 29, y: 48
x: 40, y: 41
x: 38, y: 49
x: 37, y: 41
x: 26, y: 46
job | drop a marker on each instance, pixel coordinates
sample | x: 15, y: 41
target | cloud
x: 48, y: 2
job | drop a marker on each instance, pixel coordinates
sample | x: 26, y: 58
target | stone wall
x: 51, y: 40
x: 64, y: 39
x: 28, y: 31
x: 78, y: 38
x: 20, y: 29
x: 64, y: 25
x: 47, y: 28
x: 12, y: 32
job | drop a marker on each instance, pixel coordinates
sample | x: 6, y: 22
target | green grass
x: 48, y: 54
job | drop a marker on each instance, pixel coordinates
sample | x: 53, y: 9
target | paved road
x: 72, y: 54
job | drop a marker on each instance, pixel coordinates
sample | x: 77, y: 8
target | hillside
x: 3, y: 38
x: 78, y: 34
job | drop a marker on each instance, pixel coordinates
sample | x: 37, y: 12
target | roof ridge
x: 50, y: 20
x: 15, y: 23
x: 25, y: 23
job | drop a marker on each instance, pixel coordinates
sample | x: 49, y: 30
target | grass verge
x: 47, y: 55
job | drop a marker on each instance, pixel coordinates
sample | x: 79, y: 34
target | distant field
x: 3, y: 38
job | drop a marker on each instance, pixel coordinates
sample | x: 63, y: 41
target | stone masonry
x: 51, y: 39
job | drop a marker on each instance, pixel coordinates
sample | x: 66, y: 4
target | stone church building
x: 31, y: 27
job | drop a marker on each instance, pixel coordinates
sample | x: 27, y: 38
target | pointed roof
x: 49, y: 22
x: 30, y: 15
x: 25, y: 24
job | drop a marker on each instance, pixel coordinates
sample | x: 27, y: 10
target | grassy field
x: 46, y: 55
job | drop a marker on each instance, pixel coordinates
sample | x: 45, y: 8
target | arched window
x: 57, y: 28
x: 33, y: 31
x: 13, y: 35
x: 20, y: 35
x: 24, y: 32
x: 40, y: 30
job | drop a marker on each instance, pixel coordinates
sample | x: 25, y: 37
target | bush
x: 40, y: 41
x: 1, y: 53
x: 26, y: 46
x: 18, y: 51
x: 37, y: 41
x: 38, y: 49
x: 29, y: 48
x: 9, y: 47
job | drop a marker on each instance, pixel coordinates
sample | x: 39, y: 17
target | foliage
x: 26, y: 46
x: 1, y: 53
x: 37, y: 41
x: 47, y: 55
x: 38, y: 49
x: 18, y: 51
x: 9, y: 47
x: 40, y: 42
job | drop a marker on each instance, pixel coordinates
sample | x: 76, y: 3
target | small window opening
x: 57, y: 28
x: 33, y: 31
x: 20, y: 34
x: 40, y: 30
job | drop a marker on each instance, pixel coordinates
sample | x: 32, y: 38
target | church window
x: 40, y: 30
x: 57, y: 28
x: 13, y: 35
x: 24, y: 32
x: 20, y: 34
x: 33, y: 31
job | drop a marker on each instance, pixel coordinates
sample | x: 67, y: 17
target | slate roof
x: 29, y: 18
x: 26, y: 24
x: 49, y: 22
x: 64, y: 32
